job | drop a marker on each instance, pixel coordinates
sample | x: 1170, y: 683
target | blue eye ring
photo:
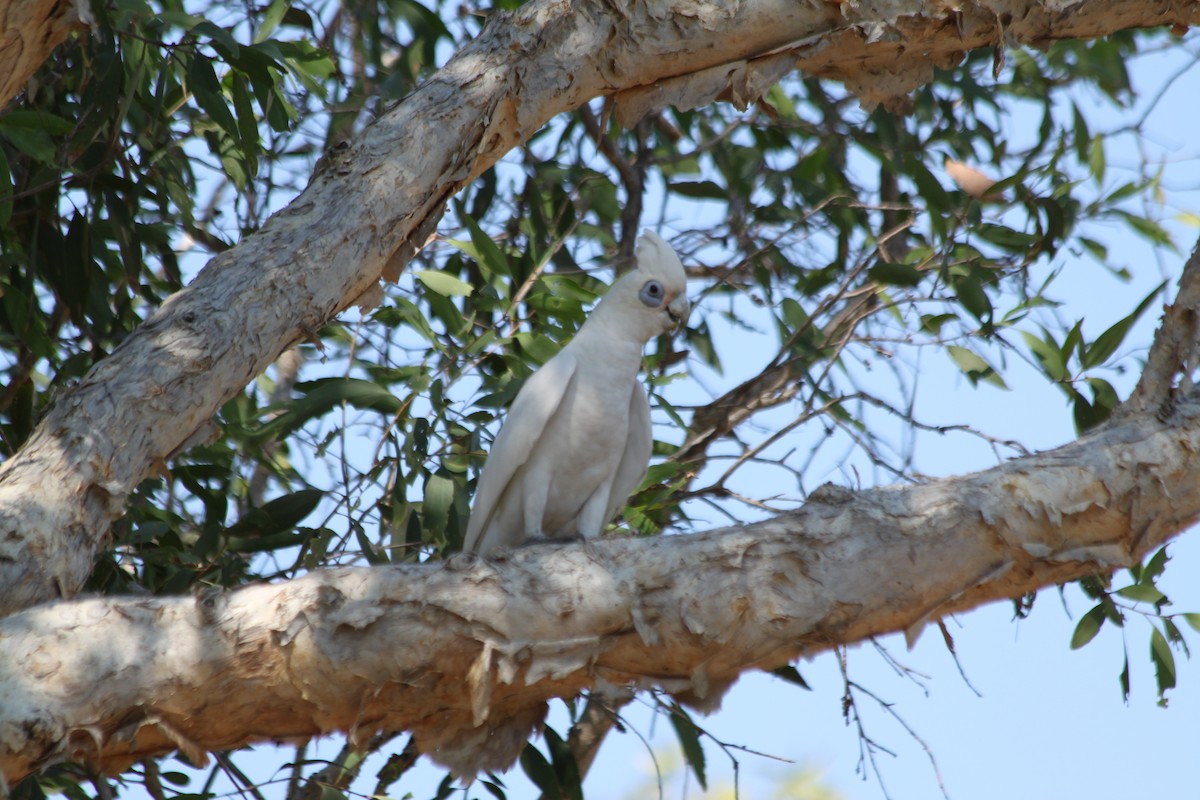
x: 651, y: 294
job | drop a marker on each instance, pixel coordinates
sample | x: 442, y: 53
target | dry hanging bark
x: 29, y: 32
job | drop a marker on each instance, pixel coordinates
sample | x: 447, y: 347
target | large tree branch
x: 371, y: 203
x: 465, y: 654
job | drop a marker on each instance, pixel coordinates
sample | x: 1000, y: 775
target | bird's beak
x: 677, y: 310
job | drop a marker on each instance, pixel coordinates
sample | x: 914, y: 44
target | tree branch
x: 1175, y: 354
x: 465, y: 654
x: 778, y: 383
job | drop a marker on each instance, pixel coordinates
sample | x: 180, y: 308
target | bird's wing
x: 527, y: 418
x: 638, y: 443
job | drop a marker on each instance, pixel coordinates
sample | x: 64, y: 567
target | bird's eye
x: 651, y: 294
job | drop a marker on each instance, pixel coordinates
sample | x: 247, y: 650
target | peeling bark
x: 1176, y: 350
x: 466, y: 654
x: 29, y: 32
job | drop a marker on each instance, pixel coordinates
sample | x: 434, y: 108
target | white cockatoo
x: 576, y: 442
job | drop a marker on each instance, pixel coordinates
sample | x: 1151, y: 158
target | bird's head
x: 647, y: 302
x: 660, y: 282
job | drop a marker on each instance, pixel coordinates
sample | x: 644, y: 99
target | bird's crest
x: 656, y: 259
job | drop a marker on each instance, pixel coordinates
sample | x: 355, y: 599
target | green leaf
x: 794, y: 314
x: 1085, y: 415
x: 1096, y: 161
x: 1005, y: 237
x: 1082, y: 136
x: 689, y: 739
x: 6, y: 190
x: 932, y: 323
x: 368, y: 549
x: 33, y: 143
x: 700, y: 342
x: 438, y: 498
x: 488, y: 254
x: 204, y: 86
x: 1164, y: 664
x: 323, y: 395
x: 1173, y: 634
x: 704, y: 190
x: 1193, y: 619
x: 974, y: 367
x: 247, y: 123
x: 1088, y: 626
x: 1104, y: 396
x: 895, y: 274
x: 220, y: 38
x: 37, y: 120
x: 494, y: 790
x: 444, y: 283
x: 565, y: 766
x: 538, y: 769
x: 1073, y: 341
x: 1142, y: 593
x: 280, y: 514
x: 663, y: 472
x: 540, y: 348
x: 1048, y: 355
x: 1155, y: 566
x: 791, y: 675
x: 1124, y: 678
x: 271, y: 19
x: 1147, y: 228
x: 175, y: 778
x: 1122, y: 192
x: 1108, y: 342
x: 969, y: 290
x: 929, y: 186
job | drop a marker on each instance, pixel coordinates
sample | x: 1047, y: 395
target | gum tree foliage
x: 828, y: 241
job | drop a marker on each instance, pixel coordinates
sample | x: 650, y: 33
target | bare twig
x: 342, y: 770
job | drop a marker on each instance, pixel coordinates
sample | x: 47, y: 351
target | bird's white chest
x: 590, y: 432
x: 596, y: 420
